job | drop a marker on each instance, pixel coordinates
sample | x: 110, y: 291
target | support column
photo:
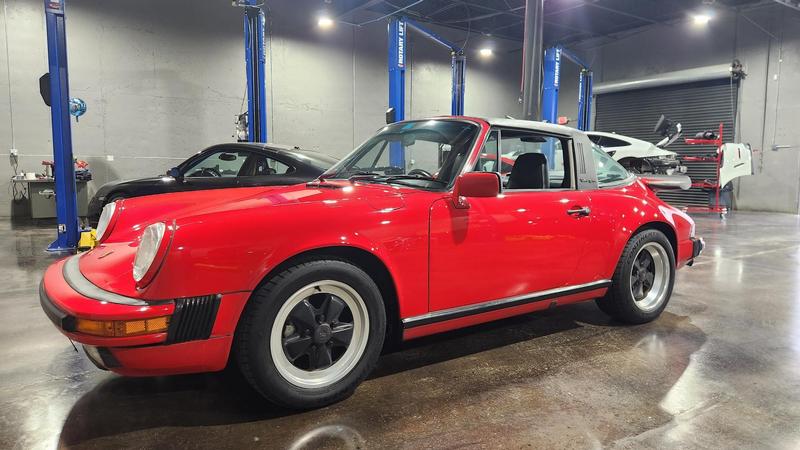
x: 397, y: 84
x: 585, y: 100
x: 397, y: 67
x: 459, y: 67
x: 255, y: 66
x: 64, y: 169
x: 551, y: 84
x: 532, y: 59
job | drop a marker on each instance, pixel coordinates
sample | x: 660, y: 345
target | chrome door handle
x: 580, y: 212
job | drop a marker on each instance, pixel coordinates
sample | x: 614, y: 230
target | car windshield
x: 426, y: 154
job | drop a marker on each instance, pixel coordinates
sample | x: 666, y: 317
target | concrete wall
x: 769, y: 101
x: 165, y: 79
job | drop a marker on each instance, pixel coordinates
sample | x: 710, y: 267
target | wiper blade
x: 364, y: 176
x: 415, y: 177
x: 364, y: 172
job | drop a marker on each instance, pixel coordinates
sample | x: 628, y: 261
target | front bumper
x: 189, y: 345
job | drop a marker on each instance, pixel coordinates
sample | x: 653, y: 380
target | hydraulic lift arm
x: 398, y: 33
x: 551, y: 83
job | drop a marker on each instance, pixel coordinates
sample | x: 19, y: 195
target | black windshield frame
x: 466, y: 147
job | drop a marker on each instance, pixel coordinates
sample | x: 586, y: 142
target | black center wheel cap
x: 322, y: 333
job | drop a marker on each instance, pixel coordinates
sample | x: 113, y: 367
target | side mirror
x: 391, y: 116
x: 175, y: 173
x: 475, y: 184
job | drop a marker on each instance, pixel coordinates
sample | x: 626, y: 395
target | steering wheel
x: 424, y: 173
x: 208, y: 172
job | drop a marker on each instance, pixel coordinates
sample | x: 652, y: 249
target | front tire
x: 311, y: 334
x: 643, y: 280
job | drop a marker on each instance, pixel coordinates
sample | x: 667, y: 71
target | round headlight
x: 148, y: 249
x: 103, y: 228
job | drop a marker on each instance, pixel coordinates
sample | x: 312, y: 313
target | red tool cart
x: 708, y: 184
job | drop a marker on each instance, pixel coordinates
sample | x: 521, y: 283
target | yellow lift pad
x: 88, y: 240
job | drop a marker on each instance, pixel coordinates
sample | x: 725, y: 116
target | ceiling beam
x: 795, y: 5
x: 568, y: 8
x: 365, y: 5
x: 508, y: 37
x: 594, y: 4
x: 444, y: 8
x: 508, y: 12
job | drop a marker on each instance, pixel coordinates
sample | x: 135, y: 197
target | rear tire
x: 643, y: 280
x: 312, y: 334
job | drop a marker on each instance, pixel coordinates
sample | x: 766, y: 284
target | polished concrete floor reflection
x: 719, y: 369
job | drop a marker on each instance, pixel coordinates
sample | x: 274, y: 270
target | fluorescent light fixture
x: 324, y: 22
x: 701, y: 19
x: 486, y: 52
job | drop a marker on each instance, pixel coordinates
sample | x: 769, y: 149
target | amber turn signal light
x: 121, y: 328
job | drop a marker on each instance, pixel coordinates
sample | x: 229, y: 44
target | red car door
x: 520, y: 243
x: 529, y: 239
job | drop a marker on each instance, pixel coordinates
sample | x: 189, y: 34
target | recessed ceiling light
x: 325, y: 22
x: 701, y: 19
x: 486, y: 52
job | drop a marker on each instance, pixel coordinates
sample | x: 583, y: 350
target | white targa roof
x: 534, y: 125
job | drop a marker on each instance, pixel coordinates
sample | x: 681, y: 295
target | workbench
x: 41, y: 195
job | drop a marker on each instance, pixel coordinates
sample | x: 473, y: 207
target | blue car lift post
x: 398, y: 27
x: 255, y: 66
x: 64, y: 167
x: 550, y: 87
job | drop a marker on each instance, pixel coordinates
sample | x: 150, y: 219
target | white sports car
x: 636, y: 155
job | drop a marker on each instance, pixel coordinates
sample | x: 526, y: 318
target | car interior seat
x: 529, y: 172
x: 255, y: 166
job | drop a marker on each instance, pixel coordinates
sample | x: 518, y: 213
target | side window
x: 487, y: 159
x: 609, y: 172
x: 258, y: 165
x: 218, y: 164
x: 534, y: 161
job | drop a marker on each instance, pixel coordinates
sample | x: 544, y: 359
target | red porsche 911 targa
x: 414, y: 233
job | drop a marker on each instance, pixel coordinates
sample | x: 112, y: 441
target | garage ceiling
x: 566, y: 21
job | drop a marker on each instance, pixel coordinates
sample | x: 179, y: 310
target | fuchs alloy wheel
x: 311, y: 334
x: 319, y: 334
x: 649, y: 276
x: 643, y: 280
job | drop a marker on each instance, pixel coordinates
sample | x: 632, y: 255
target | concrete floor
x: 720, y: 368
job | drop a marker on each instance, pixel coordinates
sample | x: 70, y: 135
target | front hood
x: 149, y: 181
x: 212, y: 220
x: 137, y: 213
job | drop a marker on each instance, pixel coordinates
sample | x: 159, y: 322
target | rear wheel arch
x: 364, y: 260
x: 643, y: 278
x: 665, y: 228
